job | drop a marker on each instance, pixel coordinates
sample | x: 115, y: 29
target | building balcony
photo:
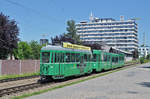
x: 106, y: 32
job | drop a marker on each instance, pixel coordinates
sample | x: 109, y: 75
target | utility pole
x: 44, y: 35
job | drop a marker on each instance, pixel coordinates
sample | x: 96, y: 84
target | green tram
x: 57, y: 62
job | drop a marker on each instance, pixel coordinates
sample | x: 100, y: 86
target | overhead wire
x: 32, y: 10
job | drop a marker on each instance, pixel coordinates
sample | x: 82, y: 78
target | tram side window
x: 102, y: 57
x: 77, y: 57
x: 56, y: 57
x: 117, y: 59
x: 108, y: 58
x: 88, y: 57
x: 45, y: 57
x: 52, y: 58
x: 99, y: 57
x: 105, y: 57
x: 81, y: 59
x: 73, y: 57
x: 122, y: 58
x: 94, y: 57
x: 113, y: 59
x: 85, y: 57
x: 67, y: 57
x: 61, y: 57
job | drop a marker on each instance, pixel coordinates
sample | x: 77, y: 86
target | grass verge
x: 15, y: 76
x: 146, y: 60
x: 67, y: 84
x: 133, y: 61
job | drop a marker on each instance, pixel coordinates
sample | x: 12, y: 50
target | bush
x: 142, y: 60
x: 148, y: 56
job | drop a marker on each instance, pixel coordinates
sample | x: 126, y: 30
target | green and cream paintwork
x: 64, y: 62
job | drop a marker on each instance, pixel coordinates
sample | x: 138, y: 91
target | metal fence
x: 8, y: 67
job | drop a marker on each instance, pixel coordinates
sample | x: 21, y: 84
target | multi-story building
x: 43, y: 41
x: 121, y: 34
x: 144, y: 51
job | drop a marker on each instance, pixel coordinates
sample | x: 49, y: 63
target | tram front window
x: 45, y: 57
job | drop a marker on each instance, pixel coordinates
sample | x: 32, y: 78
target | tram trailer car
x: 57, y: 62
x: 105, y: 61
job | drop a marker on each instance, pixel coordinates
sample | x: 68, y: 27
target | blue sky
x: 37, y: 17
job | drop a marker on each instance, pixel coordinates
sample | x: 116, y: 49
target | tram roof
x: 60, y: 48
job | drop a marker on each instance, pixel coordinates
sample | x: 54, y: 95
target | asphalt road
x: 132, y: 83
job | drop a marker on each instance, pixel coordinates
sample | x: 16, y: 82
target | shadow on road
x: 145, y: 84
x: 145, y: 67
x: 132, y: 92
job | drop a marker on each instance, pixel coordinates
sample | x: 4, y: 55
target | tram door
x: 99, y: 61
x: 61, y: 64
x: 57, y: 61
x: 81, y: 65
x: 54, y: 64
x: 60, y: 57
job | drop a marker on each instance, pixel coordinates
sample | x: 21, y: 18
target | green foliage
x: 71, y: 36
x: 72, y: 31
x: 35, y: 47
x: 3, y: 53
x: 146, y: 60
x: 132, y: 61
x: 15, y: 76
x: 8, y: 36
x: 142, y: 60
x: 29, y: 50
x: 24, y: 51
x: 148, y: 56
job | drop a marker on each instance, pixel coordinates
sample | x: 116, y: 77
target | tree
x: 56, y: 40
x: 23, y: 51
x: 8, y: 36
x: 61, y: 38
x: 72, y: 32
x: 27, y: 50
x: 35, y: 47
x: 135, y: 54
x: 148, y: 56
x: 71, y: 36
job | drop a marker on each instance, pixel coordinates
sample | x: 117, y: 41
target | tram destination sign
x: 74, y: 46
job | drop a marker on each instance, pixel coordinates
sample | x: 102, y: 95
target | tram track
x: 8, y: 91
x: 18, y: 78
x: 24, y: 87
x: 33, y: 76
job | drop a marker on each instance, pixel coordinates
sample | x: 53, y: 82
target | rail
x: 18, y: 78
x: 10, y: 90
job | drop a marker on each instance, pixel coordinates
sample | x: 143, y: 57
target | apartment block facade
x: 121, y: 34
x: 144, y: 51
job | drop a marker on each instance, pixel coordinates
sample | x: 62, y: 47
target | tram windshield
x: 45, y: 57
